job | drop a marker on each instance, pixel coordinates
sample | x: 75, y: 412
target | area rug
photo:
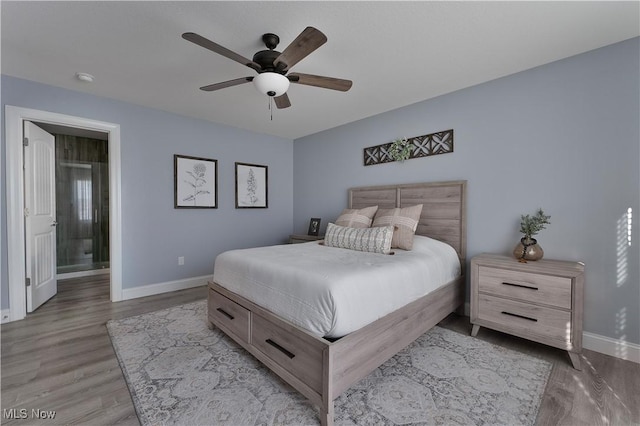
x: 181, y: 373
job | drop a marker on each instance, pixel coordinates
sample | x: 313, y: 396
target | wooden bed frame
x: 321, y: 369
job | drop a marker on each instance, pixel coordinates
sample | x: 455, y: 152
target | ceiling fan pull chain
x: 271, y: 107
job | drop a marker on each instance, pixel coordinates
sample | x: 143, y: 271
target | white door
x: 40, y: 215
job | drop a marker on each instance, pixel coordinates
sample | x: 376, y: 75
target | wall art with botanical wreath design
x: 407, y: 148
x: 195, y: 182
x: 251, y: 186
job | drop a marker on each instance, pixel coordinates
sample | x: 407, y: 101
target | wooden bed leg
x: 326, y: 409
x: 210, y: 325
x: 326, y: 415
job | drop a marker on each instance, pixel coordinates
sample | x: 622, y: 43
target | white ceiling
x: 396, y: 53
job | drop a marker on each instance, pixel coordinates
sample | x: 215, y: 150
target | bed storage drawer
x: 228, y: 315
x: 291, y: 349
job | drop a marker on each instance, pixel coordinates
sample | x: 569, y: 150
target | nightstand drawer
x: 529, y: 287
x: 525, y: 319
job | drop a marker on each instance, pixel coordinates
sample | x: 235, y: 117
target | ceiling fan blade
x: 321, y: 81
x: 215, y: 47
x: 218, y: 86
x: 282, y: 101
x: 306, y: 42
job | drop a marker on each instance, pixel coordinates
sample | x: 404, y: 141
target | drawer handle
x: 225, y: 313
x: 519, y: 316
x: 521, y: 285
x: 280, y: 348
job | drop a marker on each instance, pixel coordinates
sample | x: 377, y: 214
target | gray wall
x: 564, y: 137
x: 154, y: 233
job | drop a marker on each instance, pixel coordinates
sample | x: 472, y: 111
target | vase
x: 528, y: 249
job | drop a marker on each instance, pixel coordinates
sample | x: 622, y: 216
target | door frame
x: 14, y: 183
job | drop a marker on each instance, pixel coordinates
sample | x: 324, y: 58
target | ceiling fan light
x: 271, y: 83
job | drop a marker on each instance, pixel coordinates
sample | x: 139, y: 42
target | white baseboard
x: 608, y: 346
x: 87, y: 273
x: 602, y: 344
x: 5, y: 316
x: 159, y: 288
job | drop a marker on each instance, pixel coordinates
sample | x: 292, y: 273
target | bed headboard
x: 443, y: 215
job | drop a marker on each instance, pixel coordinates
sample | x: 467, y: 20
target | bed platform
x: 321, y: 369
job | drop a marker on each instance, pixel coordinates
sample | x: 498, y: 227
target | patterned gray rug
x: 181, y: 373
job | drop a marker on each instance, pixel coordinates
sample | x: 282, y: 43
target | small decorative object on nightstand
x: 299, y: 238
x: 540, y: 301
x: 314, y: 226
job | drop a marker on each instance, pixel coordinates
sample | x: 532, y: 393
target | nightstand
x: 540, y: 301
x: 300, y: 238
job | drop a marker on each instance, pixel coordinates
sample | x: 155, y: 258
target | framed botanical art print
x: 251, y: 186
x: 195, y: 182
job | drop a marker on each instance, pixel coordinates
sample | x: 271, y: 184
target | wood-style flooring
x: 60, y: 359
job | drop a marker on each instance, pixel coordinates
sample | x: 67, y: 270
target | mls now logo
x: 23, y: 413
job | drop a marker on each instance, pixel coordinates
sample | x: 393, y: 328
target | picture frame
x: 252, y: 186
x: 195, y: 182
x: 314, y: 226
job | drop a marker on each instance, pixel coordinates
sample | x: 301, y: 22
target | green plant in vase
x: 530, y: 225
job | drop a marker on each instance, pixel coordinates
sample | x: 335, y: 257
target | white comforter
x: 332, y: 291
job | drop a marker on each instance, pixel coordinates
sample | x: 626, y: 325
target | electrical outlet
x: 180, y: 260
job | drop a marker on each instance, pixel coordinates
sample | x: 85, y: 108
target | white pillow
x: 374, y: 240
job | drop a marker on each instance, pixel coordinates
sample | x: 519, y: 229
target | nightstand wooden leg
x: 474, y: 330
x: 575, y: 360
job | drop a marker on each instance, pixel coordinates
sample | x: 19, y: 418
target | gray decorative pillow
x: 374, y: 240
x: 404, y: 220
x: 357, y: 218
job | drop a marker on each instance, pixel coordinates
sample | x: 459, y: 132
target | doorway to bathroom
x: 82, y: 201
x: 22, y: 277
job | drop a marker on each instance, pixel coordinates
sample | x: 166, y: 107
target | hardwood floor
x: 605, y: 392
x: 60, y: 359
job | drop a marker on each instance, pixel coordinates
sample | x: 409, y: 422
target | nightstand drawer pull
x: 225, y: 313
x: 520, y: 285
x: 280, y: 348
x: 519, y: 316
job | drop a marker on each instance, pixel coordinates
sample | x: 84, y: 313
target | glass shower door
x: 83, y: 237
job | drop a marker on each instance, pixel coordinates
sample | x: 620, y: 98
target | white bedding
x: 333, y: 291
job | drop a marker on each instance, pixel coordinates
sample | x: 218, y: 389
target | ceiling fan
x: 273, y: 66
